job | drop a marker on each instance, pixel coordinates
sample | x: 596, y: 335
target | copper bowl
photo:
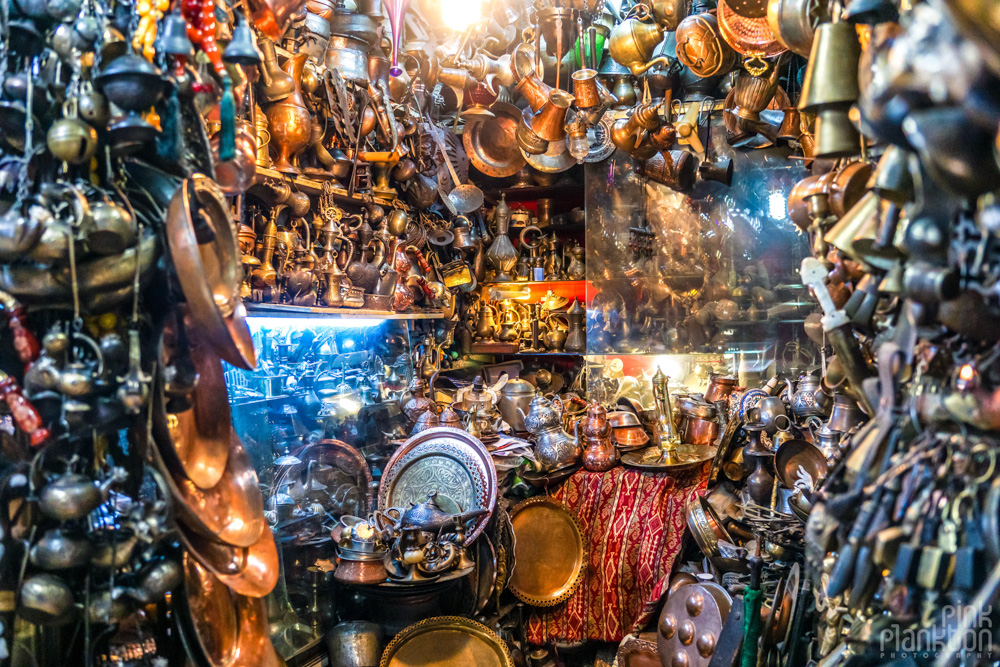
x: 355, y: 567
x: 706, y: 527
x: 795, y: 454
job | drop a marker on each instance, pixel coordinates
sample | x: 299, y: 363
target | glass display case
x: 696, y: 282
x: 316, y: 417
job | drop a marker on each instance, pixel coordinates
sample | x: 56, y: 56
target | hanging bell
x: 836, y: 135
x: 858, y: 223
x: 832, y: 74
x: 892, y: 179
x: 174, y: 39
x: 871, y: 12
x: 242, y: 49
x: 71, y: 140
x: 720, y: 171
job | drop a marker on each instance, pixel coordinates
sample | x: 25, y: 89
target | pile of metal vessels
x: 161, y: 162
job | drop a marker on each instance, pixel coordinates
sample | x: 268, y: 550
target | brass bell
x: 92, y: 106
x: 173, y: 40
x: 720, y: 171
x: 832, y: 74
x: 892, y: 179
x: 858, y: 223
x: 871, y: 12
x: 242, y: 49
x: 549, y: 122
x: 557, y: 27
x: 71, y: 140
x: 836, y: 135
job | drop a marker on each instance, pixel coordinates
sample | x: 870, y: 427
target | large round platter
x: 232, y: 511
x: 210, y: 272
x: 490, y: 142
x: 446, y: 461
x: 549, y: 552
x: 446, y: 641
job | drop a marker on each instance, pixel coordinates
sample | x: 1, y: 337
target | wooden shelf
x: 314, y: 187
x: 284, y: 310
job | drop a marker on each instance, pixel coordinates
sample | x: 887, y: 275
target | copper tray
x: 251, y: 572
x: 210, y: 273
x: 490, y: 143
x: 210, y: 628
x: 450, y: 641
x: 549, y: 552
x: 349, y: 472
x: 199, y: 437
x: 446, y: 461
x: 232, y: 511
x: 255, y: 648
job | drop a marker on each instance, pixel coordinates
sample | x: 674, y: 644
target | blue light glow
x: 318, y: 322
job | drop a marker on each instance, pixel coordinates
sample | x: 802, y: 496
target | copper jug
x: 599, y: 453
x: 289, y: 120
x: 534, y: 91
x: 486, y: 322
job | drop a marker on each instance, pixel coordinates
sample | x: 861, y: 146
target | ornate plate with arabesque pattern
x: 446, y: 641
x: 446, y: 461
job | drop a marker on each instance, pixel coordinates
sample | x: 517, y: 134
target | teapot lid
x: 518, y: 386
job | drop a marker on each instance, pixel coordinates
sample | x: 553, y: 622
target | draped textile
x: 633, y: 524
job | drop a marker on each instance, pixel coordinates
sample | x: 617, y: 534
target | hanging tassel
x: 227, y: 119
x: 168, y: 142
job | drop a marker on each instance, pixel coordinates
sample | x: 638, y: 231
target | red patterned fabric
x: 633, y: 522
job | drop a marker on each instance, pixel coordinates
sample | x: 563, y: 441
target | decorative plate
x: 446, y: 641
x: 549, y: 552
x: 446, y: 461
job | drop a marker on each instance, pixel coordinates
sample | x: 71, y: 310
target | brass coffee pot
x: 632, y: 43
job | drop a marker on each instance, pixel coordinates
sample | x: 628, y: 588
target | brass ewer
x: 668, y: 452
x: 632, y: 43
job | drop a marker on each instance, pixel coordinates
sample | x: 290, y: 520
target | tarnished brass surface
x: 549, y: 551
x: 446, y: 640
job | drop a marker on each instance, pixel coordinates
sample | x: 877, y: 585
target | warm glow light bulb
x: 460, y: 14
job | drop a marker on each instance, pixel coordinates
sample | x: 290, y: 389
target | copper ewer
x: 289, y: 120
x: 549, y: 122
x: 534, y: 91
x: 585, y: 89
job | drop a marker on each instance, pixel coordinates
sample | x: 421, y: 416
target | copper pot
x: 360, y: 568
x: 719, y: 387
x: 798, y: 198
x: 289, y: 120
x: 534, y: 91
x: 698, y: 425
x: 585, y: 88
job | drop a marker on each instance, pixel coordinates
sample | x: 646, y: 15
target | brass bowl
x: 198, y: 437
x: 793, y: 454
x: 706, y: 527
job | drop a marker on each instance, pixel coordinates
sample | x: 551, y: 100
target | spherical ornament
x: 700, y: 46
x: 71, y: 140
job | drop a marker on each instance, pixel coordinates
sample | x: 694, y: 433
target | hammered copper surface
x: 212, y: 614
x: 252, y: 571
x: 690, y: 624
x: 254, y: 648
x: 232, y: 511
x: 450, y: 641
x: 491, y: 144
x: 549, y: 552
x: 200, y: 436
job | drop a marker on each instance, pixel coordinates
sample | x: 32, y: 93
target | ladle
x: 465, y: 197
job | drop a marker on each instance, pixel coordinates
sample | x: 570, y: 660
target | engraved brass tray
x: 446, y: 461
x: 450, y: 641
x: 549, y: 552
